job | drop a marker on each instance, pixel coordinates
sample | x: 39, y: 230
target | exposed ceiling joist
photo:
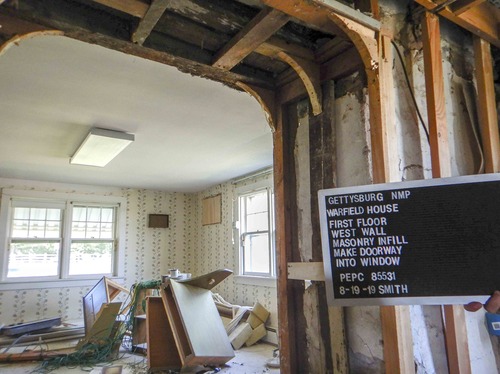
x: 149, y: 21
x: 481, y: 20
x: 461, y: 6
x: 257, y: 31
x: 135, y: 8
x: 275, y: 45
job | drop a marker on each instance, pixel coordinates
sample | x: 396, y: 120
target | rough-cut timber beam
x: 258, y: 30
x: 150, y: 19
x: 266, y: 99
x: 455, y: 332
x: 461, y: 6
x: 182, y: 64
x: 487, y: 111
x: 274, y: 45
x: 134, y: 7
x: 350, y: 13
x: 309, y: 73
x: 481, y: 20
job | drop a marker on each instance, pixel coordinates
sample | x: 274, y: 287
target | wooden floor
x: 248, y: 360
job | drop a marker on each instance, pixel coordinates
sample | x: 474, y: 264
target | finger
x: 473, y: 306
x: 493, y: 303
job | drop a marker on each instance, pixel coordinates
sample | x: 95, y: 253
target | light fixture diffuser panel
x: 101, y: 146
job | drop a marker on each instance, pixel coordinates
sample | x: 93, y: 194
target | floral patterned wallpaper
x: 149, y: 252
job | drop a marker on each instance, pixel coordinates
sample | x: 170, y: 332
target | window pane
x: 92, y: 230
x: 78, y: 230
x: 107, y: 215
x: 53, y: 230
x: 257, y: 203
x: 36, y: 229
x: 256, y: 253
x: 94, y: 214
x: 79, y: 213
x: 20, y: 228
x: 38, y: 214
x: 21, y: 213
x: 33, y: 259
x: 106, y: 231
x: 53, y: 214
x: 91, y: 258
x: 257, y: 222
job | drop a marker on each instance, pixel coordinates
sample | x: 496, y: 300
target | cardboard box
x: 240, y: 335
x: 257, y: 334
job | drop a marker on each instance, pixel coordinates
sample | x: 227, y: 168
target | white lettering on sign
x: 366, y: 197
x: 400, y: 195
x: 375, y: 221
x: 380, y: 261
x: 381, y: 209
x: 381, y: 251
x: 340, y: 223
x: 343, y: 233
x: 351, y: 277
x: 353, y: 242
x: 373, y: 231
x: 352, y: 211
x: 345, y: 262
x: 392, y: 239
x: 345, y: 252
x: 397, y: 289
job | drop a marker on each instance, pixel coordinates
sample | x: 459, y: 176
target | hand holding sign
x: 492, y: 305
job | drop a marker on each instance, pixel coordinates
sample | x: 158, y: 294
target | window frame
x: 67, y: 200
x: 259, y: 279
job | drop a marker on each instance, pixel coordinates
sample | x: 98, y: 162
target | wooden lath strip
x: 149, y: 21
x: 257, y: 31
x: 487, y: 111
x: 481, y: 20
x: 456, y: 335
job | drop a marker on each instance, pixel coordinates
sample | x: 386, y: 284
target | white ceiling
x: 191, y: 133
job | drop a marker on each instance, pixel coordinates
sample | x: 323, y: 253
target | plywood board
x: 211, y: 210
x: 202, y: 324
x: 162, y: 352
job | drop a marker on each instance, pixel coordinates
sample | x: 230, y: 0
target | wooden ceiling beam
x: 274, y: 45
x: 461, y: 6
x: 149, y: 21
x: 481, y: 20
x: 135, y: 8
x: 257, y: 31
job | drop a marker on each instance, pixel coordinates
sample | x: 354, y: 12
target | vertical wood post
x: 455, y: 330
x: 487, y: 111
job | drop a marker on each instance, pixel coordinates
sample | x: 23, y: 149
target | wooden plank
x: 211, y: 210
x: 273, y: 45
x: 135, y: 8
x: 434, y: 84
x: 395, y: 320
x: 455, y: 334
x: 113, y: 288
x: 103, y: 325
x: 159, y: 337
x: 202, y: 324
x: 306, y: 271
x: 352, y: 14
x: 487, y: 110
x: 481, y: 20
x: 461, y: 6
x: 258, y: 30
x: 208, y: 281
x: 175, y: 321
x: 149, y: 21
x: 34, y: 355
x: 92, y: 303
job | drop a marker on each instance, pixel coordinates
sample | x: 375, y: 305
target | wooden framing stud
x: 150, y: 19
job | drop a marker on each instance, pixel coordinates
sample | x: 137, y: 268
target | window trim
x: 240, y: 277
x: 67, y: 199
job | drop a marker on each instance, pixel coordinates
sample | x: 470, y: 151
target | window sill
x: 60, y: 283
x: 255, y: 281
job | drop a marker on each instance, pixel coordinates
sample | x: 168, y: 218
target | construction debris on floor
x: 178, y: 323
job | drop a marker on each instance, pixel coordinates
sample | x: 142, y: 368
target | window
x: 256, y: 233
x: 50, y: 238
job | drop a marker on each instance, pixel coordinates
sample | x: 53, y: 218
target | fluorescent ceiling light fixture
x: 101, y: 146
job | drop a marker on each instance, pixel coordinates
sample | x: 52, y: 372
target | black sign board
x: 422, y: 242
